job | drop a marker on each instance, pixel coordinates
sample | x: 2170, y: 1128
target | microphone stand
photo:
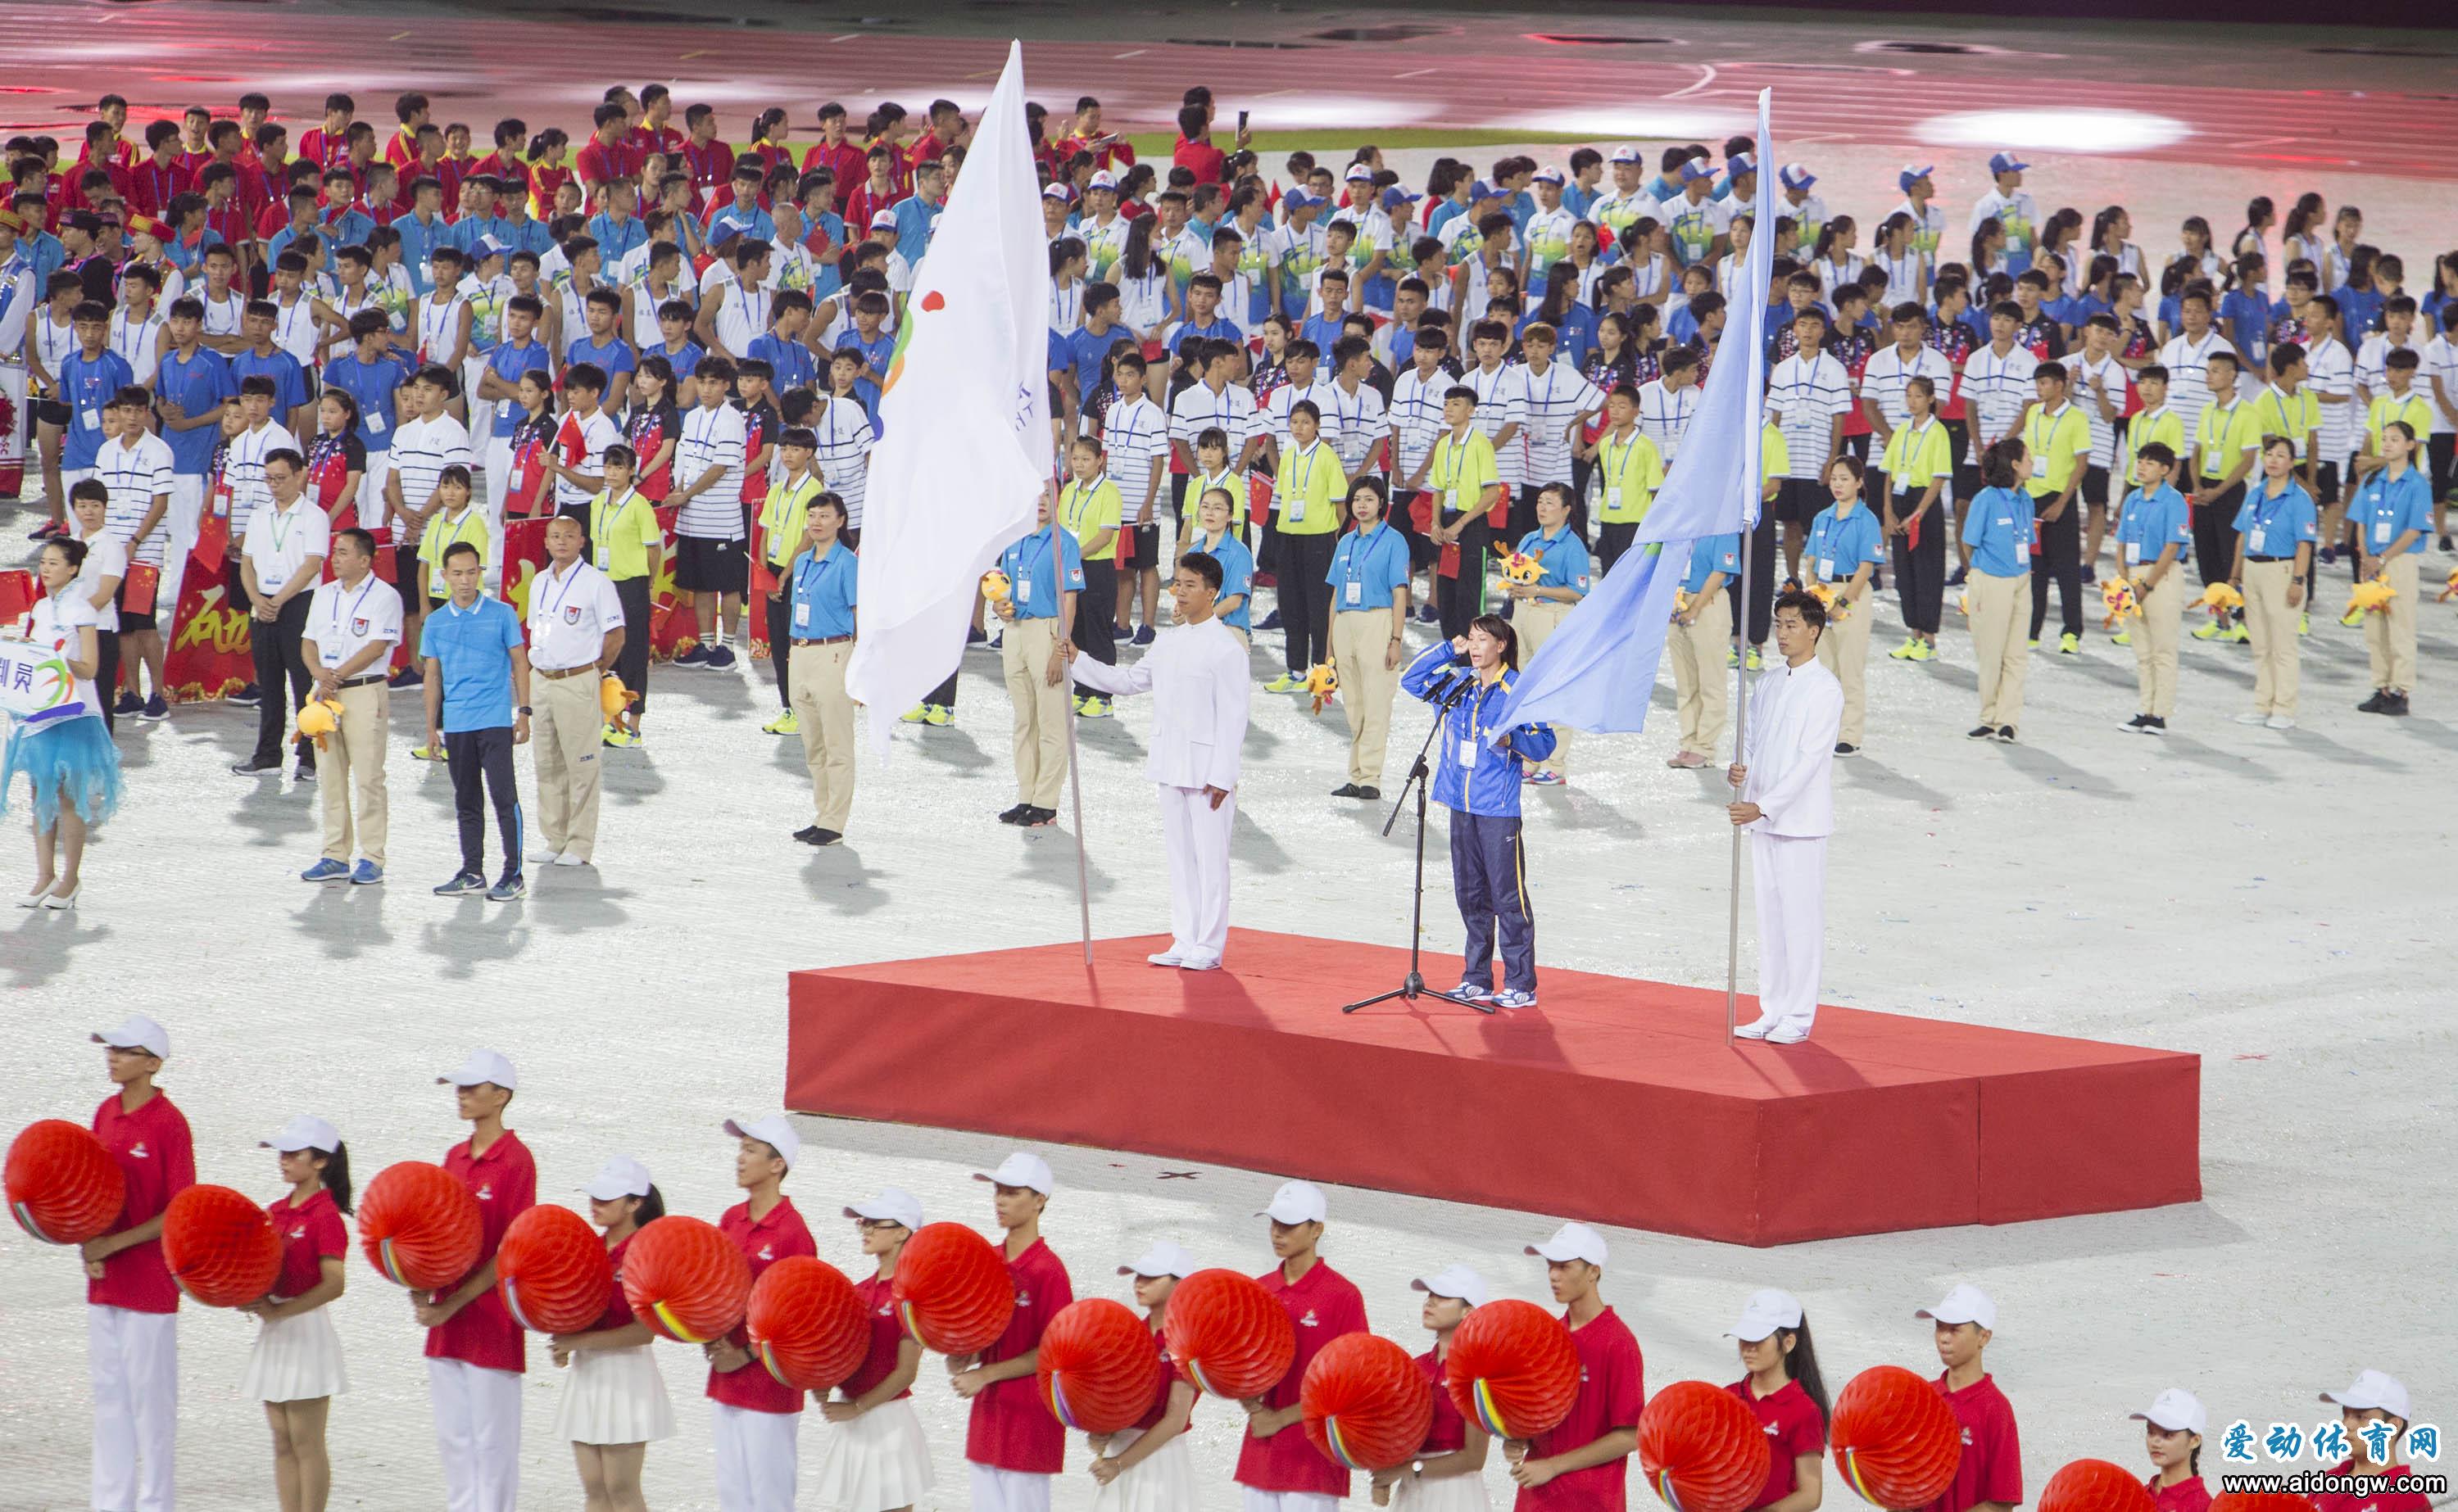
x: 1420, y: 777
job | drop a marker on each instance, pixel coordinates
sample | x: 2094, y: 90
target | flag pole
x: 1075, y: 786
x: 1741, y: 733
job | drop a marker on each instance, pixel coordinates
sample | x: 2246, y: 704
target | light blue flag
x: 1597, y: 671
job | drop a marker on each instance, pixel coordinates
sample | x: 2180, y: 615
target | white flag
x: 967, y: 453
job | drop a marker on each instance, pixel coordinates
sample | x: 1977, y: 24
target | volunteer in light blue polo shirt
x: 2153, y: 520
x: 824, y: 594
x: 2000, y: 532
x: 2389, y: 506
x: 1237, y: 574
x: 1708, y: 557
x: 1368, y: 565
x: 2274, y: 524
x: 1033, y: 567
x: 1839, y: 543
x: 1564, y: 556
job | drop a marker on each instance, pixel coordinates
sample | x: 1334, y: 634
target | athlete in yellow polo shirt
x: 1466, y: 484
x: 1629, y: 470
x: 2058, y: 437
x: 1091, y: 508
x: 1918, y: 463
x: 1310, y: 494
x: 627, y: 544
x: 2229, y: 443
x: 783, y: 516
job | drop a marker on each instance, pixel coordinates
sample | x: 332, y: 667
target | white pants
x: 997, y: 1490
x: 373, y: 511
x: 756, y: 1458
x: 179, y: 538
x: 133, y: 1361
x: 1288, y: 1501
x: 478, y: 1431
x: 1196, y: 835
x: 1790, y: 878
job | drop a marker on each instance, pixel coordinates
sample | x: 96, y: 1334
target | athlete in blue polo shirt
x: 476, y: 667
x: 87, y: 379
x: 372, y: 375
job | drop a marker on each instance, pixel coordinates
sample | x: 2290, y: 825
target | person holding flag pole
x: 964, y: 465
x: 1597, y: 671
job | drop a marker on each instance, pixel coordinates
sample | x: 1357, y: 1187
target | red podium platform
x: 1617, y: 1101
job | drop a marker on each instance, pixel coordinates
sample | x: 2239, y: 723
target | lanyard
x: 1305, y: 482
x: 282, y: 521
x: 1615, y: 464
x: 554, y: 610
x: 352, y: 616
x: 1032, y: 569
x: 604, y: 513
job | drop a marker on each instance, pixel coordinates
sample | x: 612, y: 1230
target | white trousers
x: 478, y: 1432
x: 1790, y: 878
x: 1288, y: 1500
x: 179, y: 538
x: 756, y: 1458
x: 133, y: 1361
x: 1196, y: 835
x: 997, y: 1490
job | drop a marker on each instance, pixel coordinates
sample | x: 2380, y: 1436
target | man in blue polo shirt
x: 476, y: 669
x: 1045, y: 572
x: 373, y: 374
x: 191, y: 385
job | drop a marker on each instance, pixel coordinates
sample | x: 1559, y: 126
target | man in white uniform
x: 1197, y: 673
x: 1787, y: 804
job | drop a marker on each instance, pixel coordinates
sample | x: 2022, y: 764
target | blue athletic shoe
x: 463, y: 884
x: 720, y: 658
x: 697, y: 657
x: 366, y: 874
x: 512, y: 889
x: 326, y: 871
x: 1508, y: 999
x: 1271, y: 621
x: 975, y: 635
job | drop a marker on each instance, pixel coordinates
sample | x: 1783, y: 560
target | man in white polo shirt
x: 280, y: 559
x: 421, y: 447
x: 575, y: 633
x: 353, y: 624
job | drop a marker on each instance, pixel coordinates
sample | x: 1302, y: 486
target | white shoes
x: 570, y: 859
x: 1758, y: 1028
x: 61, y: 902
x: 2253, y: 718
x: 1166, y: 958
x: 1791, y: 1031
x: 2280, y: 721
x: 1200, y: 962
x: 540, y: 856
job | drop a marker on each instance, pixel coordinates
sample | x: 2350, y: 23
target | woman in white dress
x: 296, y: 1367
x: 1448, y: 1473
x: 876, y: 1460
x: 614, y: 1402
x: 70, y: 765
x: 1146, y: 1468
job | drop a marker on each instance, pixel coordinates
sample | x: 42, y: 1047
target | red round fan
x: 1513, y: 1368
x: 220, y: 1246
x: 1365, y: 1403
x: 420, y: 1225
x: 686, y: 1279
x: 807, y: 1325
x: 1895, y: 1439
x: 1228, y: 1336
x: 63, y: 1185
x: 953, y: 1289
x: 1702, y: 1449
x: 1098, y: 1370
x: 2094, y: 1485
x: 552, y: 1271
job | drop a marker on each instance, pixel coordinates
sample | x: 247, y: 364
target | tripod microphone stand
x: 1420, y: 777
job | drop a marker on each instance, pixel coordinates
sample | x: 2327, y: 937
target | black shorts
x: 2325, y: 483
x: 53, y: 412
x: 1798, y: 501
x: 702, y: 566
x: 130, y: 621
x: 2094, y: 488
x: 1140, y: 546
x: 405, y: 568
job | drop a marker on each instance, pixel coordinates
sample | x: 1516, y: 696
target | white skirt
x: 297, y: 1359
x: 1451, y: 1493
x: 613, y: 1396
x: 1163, y: 1482
x: 875, y: 1461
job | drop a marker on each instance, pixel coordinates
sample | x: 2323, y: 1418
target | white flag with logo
x: 965, y: 410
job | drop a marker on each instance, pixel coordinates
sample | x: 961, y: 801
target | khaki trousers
x: 815, y: 683
x: 1041, y: 711
x: 2389, y: 635
x: 2001, y: 626
x: 1360, y: 641
x: 2272, y: 626
x: 2154, y: 644
x: 351, y: 769
x: 565, y: 738
x: 1536, y: 620
x: 1844, y: 646
x: 1700, y: 690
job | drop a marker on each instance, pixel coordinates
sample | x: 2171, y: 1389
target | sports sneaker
x: 306, y: 773
x: 1905, y: 652
x: 463, y: 884
x: 1093, y: 709
x: 2004, y: 734
x: 1285, y: 683
x: 2123, y: 637
x: 975, y: 635
x: 127, y: 705
x: 427, y: 753
x: 1980, y: 732
x: 2068, y: 644
x: 1732, y: 658
x: 2241, y: 636
x: 2352, y: 618
x: 1036, y: 819
x: 1545, y: 779
x: 248, y: 696
x: 2329, y: 556
x: 326, y: 871
x: 2090, y: 573
x: 408, y: 676
x: 2280, y: 721
x: 1507, y: 997
x: 512, y: 889
x: 1271, y: 621
x: 1958, y: 577
x: 1923, y: 651
x: 1013, y: 816
x: 2305, y: 624
x: 1143, y: 635
x: 1846, y: 748
x: 2140, y: 724
x: 915, y: 715
x: 721, y: 659
x: 1474, y: 991
x: 156, y: 709
x: 1428, y: 614
x: 697, y: 657
x: 366, y: 874
x: 615, y: 734
x: 786, y: 723
x: 2446, y: 545
x: 2253, y: 717
x: 2397, y: 704
x: 252, y: 767
x: 2035, y: 643
x: 51, y: 528
x: 2213, y: 631
x: 2158, y: 726
x: 1754, y: 658
x: 938, y: 715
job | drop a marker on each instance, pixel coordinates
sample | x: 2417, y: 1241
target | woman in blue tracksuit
x: 1479, y: 783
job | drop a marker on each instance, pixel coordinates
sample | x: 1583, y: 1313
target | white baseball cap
x: 2372, y: 1389
x: 1964, y: 1304
x: 1625, y: 154
x: 1103, y: 178
x: 306, y: 1132
x: 1057, y: 191
x: 882, y: 221
x: 1164, y: 1258
x: 1023, y: 1169
x: 1548, y: 174
x: 1767, y: 1311
x: 892, y: 1205
x: 481, y: 1068
x: 1573, y: 1241
x: 2177, y: 1410
x: 773, y: 1132
x: 1454, y: 1280
x: 1359, y: 173
x: 1297, y: 1202
x: 622, y: 1176
x: 1796, y: 176
x: 137, y: 1033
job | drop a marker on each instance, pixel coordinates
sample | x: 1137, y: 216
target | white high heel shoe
x: 35, y: 899
x: 63, y: 902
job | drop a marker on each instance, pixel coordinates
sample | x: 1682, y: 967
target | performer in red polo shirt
x: 1583, y: 1464
x: 475, y: 1353
x: 2374, y: 1411
x: 757, y: 1416
x: 1991, y: 1473
x: 132, y: 1305
x: 2172, y: 1432
x: 1448, y: 1474
x: 1014, y: 1447
x: 1784, y: 1390
x: 1279, y: 1466
x: 876, y: 1457
x: 296, y: 1367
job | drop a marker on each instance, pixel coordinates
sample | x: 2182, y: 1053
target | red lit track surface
x: 2379, y: 103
